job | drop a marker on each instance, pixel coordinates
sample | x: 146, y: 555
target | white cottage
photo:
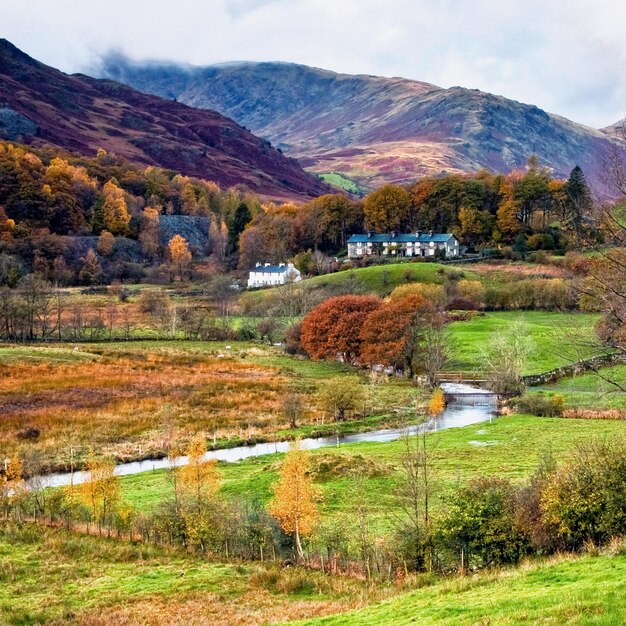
x: 268, y: 275
x: 403, y: 245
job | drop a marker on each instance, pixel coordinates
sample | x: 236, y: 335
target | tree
x: 106, y: 241
x: 387, y: 209
x: 437, y: 403
x: 295, y: 497
x: 178, y: 252
x: 333, y: 327
x: 481, y: 525
x: 91, y: 272
x: 101, y: 491
x: 507, y: 220
x: 505, y: 357
x: 149, y: 232
x: 391, y: 334
x: 293, y: 408
x: 198, y: 480
x: 341, y: 396
x: 240, y: 220
x: 578, y: 199
x: 115, y: 211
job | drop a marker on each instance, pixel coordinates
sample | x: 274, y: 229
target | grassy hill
x: 588, y: 590
x: 381, y: 279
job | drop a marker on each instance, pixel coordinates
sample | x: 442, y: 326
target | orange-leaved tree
x: 391, y: 335
x: 179, y: 254
x: 333, y: 327
x: 437, y: 402
x: 295, y: 497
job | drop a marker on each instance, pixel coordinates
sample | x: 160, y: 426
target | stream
x: 480, y: 406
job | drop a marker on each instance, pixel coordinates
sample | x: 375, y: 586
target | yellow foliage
x: 200, y: 479
x: 433, y: 293
x: 295, y: 497
x: 116, y: 216
x: 437, y: 403
x: 101, y: 491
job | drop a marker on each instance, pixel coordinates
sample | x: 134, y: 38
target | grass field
x: 550, y: 334
x: 590, y: 390
x: 343, y: 182
x: 134, y: 400
x: 509, y: 447
x: 51, y: 576
x: 381, y: 279
x: 583, y: 591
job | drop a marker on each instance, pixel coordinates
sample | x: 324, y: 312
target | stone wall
x: 552, y: 376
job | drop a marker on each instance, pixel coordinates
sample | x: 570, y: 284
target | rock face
x: 41, y: 105
x: 372, y: 129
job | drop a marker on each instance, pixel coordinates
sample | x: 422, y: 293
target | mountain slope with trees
x: 376, y: 130
x: 41, y: 105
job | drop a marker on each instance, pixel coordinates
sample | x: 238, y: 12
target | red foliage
x: 389, y: 334
x: 334, y: 326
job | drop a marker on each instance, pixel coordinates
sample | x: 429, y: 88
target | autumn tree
x: 333, y: 328
x: 149, y: 232
x: 391, y: 335
x: 115, y: 210
x: 199, y: 479
x: 179, y: 254
x: 341, y: 396
x: 101, y: 490
x: 294, y: 505
x: 106, y: 241
x: 91, y: 272
x: 437, y: 402
x: 387, y: 209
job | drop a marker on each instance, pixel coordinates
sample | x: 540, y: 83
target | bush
x: 541, y: 405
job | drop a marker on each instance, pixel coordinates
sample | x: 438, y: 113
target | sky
x: 565, y: 56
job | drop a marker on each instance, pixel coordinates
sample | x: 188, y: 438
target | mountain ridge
x: 41, y: 104
x: 373, y: 129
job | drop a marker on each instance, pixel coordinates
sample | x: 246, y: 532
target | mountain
x: 41, y: 105
x: 371, y: 129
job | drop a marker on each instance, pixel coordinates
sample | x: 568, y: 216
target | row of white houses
x: 392, y: 244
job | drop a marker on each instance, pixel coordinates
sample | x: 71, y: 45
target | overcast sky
x: 566, y: 56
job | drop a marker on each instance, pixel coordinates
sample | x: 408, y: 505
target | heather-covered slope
x: 374, y: 129
x: 41, y: 105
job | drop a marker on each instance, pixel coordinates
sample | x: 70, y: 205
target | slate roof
x: 401, y: 238
x: 271, y: 269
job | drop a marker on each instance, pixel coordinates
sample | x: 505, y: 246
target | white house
x: 267, y: 275
x: 402, y: 245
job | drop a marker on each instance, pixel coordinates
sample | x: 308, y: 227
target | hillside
x: 42, y: 105
x: 565, y: 591
x: 371, y: 129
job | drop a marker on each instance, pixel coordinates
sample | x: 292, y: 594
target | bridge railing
x: 460, y: 377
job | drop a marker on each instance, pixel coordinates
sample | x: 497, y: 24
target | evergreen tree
x: 239, y: 222
x: 578, y: 198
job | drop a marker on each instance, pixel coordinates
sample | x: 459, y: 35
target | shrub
x: 541, y: 405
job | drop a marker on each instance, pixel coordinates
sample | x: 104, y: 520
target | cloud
x: 567, y: 57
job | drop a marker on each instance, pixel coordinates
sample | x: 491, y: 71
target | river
x: 457, y: 413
